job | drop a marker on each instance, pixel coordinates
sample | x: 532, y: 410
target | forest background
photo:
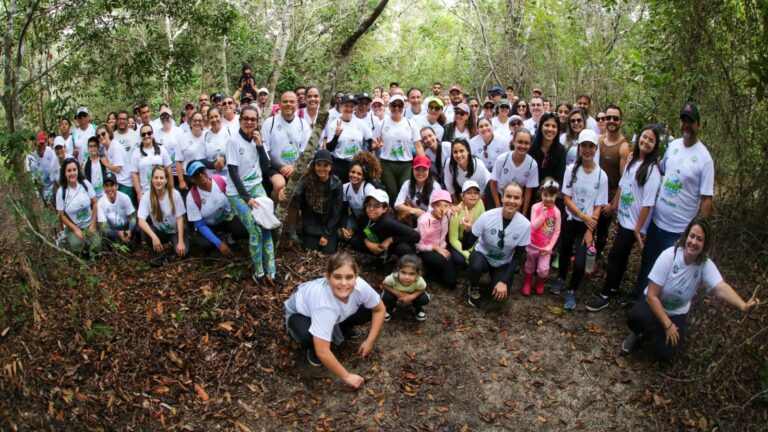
x: 648, y: 56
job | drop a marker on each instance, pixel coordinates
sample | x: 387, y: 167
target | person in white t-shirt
x: 189, y: 148
x: 65, y: 136
x: 77, y: 206
x: 463, y: 166
x: 502, y: 235
x: 214, y: 144
x: 229, y: 117
x: 326, y: 310
x: 116, y: 214
x: 515, y: 165
x: 687, y: 188
x: 124, y: 136
x: 537, y: 110
x: 163, y: 207
x: 432, y: 117
x: 633, y: 202
x: 437, y: 152
x: 345, y: 137
x: 584, y: 102
x: 677, y: 274
x: 415, y: 104
x: 353, y: 195
x: 585, y: 191
x: 38, y: 165
x: 144, y: 158
x: 82, y: 132
x: 113, y: 157
x: 95, y: 170
x: 500, y: 123
x: 488, y: 145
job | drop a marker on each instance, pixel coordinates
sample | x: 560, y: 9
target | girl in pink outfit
x: 545, y: 229
x: 433, y: 248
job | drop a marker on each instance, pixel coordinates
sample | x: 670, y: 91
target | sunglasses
x: 397, y: 105
x: 522, y: 106
x: 103, y: 134
x: 146, y: 134
x: 576, y: 120
x: 228, y: 103
x: 248, y: 119
x: 516, y: 123
x: 459, y: 113
x: 600, y: 119
x: 434, y: 107
x: 500, y: 243
x: 612, y: 118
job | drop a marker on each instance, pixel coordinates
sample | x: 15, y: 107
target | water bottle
x: 589, y: 267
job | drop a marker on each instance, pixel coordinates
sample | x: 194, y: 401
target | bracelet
x: 669, y: 326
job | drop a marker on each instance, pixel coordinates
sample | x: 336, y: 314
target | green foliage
x: 98, y: 332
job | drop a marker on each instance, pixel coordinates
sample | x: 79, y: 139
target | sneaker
x: 353, y: 333
x: 420, y: 314
x: 388, y: 315
x: 629, y: 343
x: 600, y: 302
x: 474, y: 296
x: 555, y: 263
x: 627, y: 299
x: 556, y: 287
x: 258, y: 279
x: 312, y: 358
x: 570, y: 300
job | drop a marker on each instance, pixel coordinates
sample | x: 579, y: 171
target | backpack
x: 219, y: 180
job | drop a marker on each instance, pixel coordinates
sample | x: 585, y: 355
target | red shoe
x: 526, y: 291
x: 539, y: 286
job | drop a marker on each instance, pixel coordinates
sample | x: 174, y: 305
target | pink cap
x: 421, y: 161
x: 377, y: 100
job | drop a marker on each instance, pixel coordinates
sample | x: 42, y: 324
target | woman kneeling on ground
x: 166, y: 208
x: 326, y: 310
x: 674, y: 279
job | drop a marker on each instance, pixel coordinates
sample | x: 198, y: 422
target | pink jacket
x: 545, y: 226
x: 433, y: 232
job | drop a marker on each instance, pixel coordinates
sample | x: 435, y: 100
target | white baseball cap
x: 588, y: 135
x: 379, y: 195
x: 394, y: 98
x: 469, y: 184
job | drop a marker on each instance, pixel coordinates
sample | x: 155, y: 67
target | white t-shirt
x: 118, y: 158
x: 505, y: 171
x: 501, y: 129
x: 142, y: 164
x: 689, y: 174
x: 214, y: 206
x: 587, y: 192
x: 170, y: 142
x: 284, y: 140
x: 233, y: 125
x: 403, y: 195
x: 77, y: 203
x: 592, y: 124
x: 679, y: 281
x: 634, y: 197
x: 398, y: 138
x: 129, y: 141
x: 245, y: 157
x: 352, y: 138
x: 423, y: 121
x: 168, y: 224
x: 315, y: 299
x: 190, y: 148
x: 409, y: 114
x: 444, y: 155
x: 55, y: 168
x: 115, y: 214
x: 39, y: 167
x: 487, y: 228
x: 354, y: 199
x: 81, y: 142
x: 530, y: 124
x: 488, y: 154
x: 369, y: 120
x: 215, y: 145
x: 69, y: 143
x: 481, y: 176
x: 97, y: 180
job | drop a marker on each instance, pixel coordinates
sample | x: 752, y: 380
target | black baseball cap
x: 110, y: 178
x: 691, y: 111
x: 363, y: 95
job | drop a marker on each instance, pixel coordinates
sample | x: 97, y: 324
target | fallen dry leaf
x: 201, y: 393
x: 533, y: 358
x: 161, y: 389
x: 621, y: 362
x: 503, y: 362
x: 226, y: 325
x: 442, y: 409
x: 594, y: 330
x: 541, y: 419
x: 242, y: 427
x: 377, y: 418
x: 659, y: 401
x: 175, y: 359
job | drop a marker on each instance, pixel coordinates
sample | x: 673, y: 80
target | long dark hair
x: 538, y: 139
x: 423, y: 196
x: 650, y: 159
x: 63, y: 184
x: 154, y: 143
x: 527, y: 108
x: 454, y: 166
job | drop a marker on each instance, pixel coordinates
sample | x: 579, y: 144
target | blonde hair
x: 154, y: 199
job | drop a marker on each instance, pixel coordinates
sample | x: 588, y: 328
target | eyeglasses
x: 500, y: 243
x: 146, y: 134
x: 521, y: 106
x: 576, y: 120
x: 103, y: 134
x: 228, y: 103
x: 475, y: 106
x: 600, y: 119
x: 612, y: 118
x: 248, y: 119
x: 374, y: 206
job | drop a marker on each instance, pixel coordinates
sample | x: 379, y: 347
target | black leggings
x: 601, y: 231
x: 440, y: 268
x: 234, y: 227
x: 478, y: 266
x: 397, y: 249
x: 299, y: 324
x: 312, y: 242
x: 643, y: 321
x: 390, y: 301
x: 617, y: 260
x: 572, y: 233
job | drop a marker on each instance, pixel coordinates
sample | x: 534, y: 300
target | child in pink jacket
x: 545, y: 229
x: 433, y: 248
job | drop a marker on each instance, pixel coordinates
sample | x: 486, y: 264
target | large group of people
x: 450, y: 189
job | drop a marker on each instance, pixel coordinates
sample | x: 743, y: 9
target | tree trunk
x: 224, y: 65
x: 280, y: 48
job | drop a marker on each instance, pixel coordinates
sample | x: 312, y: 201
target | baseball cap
x: 379, y: 195
x: 109, y: 178
x: 515, y: 118
x: 488, y: 102
x: 188, y: 104
x: 165, y: 110
x: 41, y: 137
x: 504, y: 102
x: 322, y: 155
x: 464, y: 107
x: 263, y: 90
x: 468, y: 185
x: 396, y: 98
x: 456, y: 88
x: 193, y: 167
x: 217, y: 97
x: 58, y: 144
x: 588, y: 135
x: 440, y: 195
x: 691, y: 111
x: 496, y: 90
x: 537, y: 90
x: 436, y: 100
x: 421, y: 161
x: 348, y: 98
x: 377, y: 100
x: 363, y: 95
x: 81, y: 110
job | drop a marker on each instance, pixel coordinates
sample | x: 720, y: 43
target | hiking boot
x: 629, y: 343
x: 526, y: 290
x: 420, y: 314
x: 570, y: 300
x: 556, y: 287
x: 474, y: 296
x: 539, y: 286
x: 312, y: 358
x: 627, y: 299
x: 600, y: 302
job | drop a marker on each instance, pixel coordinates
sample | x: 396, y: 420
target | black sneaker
x: 473, y: 294
x: 312, y: 358
x: 420, y: 314
x: 629, y: 343
x: 627, y: 299
x: 600, y: 302
x: 353, y: 333
x: 388, y: 314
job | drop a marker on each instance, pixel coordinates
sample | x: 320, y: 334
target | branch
x: 485, y: 43
x: 348, y: 44
x: 24, y: 29
x: 39, y: 76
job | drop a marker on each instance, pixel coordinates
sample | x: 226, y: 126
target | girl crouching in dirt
x: 327, y: 310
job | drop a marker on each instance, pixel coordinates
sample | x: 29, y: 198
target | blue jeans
x: 656, y: 241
